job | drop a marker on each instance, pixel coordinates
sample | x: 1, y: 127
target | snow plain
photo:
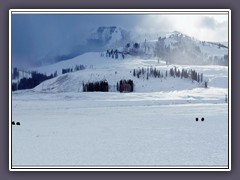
x: 154, y: 126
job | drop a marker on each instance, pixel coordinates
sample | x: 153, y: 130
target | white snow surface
x: 153, y: 126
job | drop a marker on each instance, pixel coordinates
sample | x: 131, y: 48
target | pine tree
x: 205, y: 84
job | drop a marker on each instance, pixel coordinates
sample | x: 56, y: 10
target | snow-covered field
x: 70, y: 131
x: 153, y: 126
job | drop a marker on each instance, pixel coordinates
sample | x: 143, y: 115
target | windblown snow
x: 153, y: 126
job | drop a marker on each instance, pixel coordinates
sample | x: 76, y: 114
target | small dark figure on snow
x: 111, y: 52
x: 18, y: 123
x: 13, y: 123
x: 107, y: 53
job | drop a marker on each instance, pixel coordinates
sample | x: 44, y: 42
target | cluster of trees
x: 95, y: 86
x: 173, y: 72
x: 217, y: 44
x: 67, y: 70
x: 190, y: 74
x: 77, y: 68
x: 184, y: 51
x: 114, y: 54
x: 148, y: 72
x: 162, y: 51
x: 132, y: 49
x: 29, y: 83
x: 17, y: 73
x: 219, y: 60
x: 103, y: 86
x: 125, y: 85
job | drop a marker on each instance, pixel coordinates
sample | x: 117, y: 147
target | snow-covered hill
x: 173, y: 49
x: 179, y: 48
x: 113, y: 70
x: 210, y: 48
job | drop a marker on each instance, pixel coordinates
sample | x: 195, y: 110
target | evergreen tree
x: 205, y: 84
x: 15, y: 73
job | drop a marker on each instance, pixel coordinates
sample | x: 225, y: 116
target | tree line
x: 173, y: 72
x: 125, y: 85
x: 29, y: 83
x: 77, y: 68
x: 114, y: 54
x: 101, y: 86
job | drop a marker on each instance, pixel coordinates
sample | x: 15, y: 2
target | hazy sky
x: 36, y: 36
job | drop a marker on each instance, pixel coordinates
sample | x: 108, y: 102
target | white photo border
x: 120, y: 11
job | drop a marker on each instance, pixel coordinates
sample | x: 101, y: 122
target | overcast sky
x: 36, y: 36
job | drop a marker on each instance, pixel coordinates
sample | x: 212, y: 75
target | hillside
x: 113, y: 70
x: 173, y: 49
x: 178, y: 48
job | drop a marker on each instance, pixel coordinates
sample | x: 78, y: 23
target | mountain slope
x: 107, y: 37
x: 174, y: 47
x: 113, y: 70
x: 179, y: 48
